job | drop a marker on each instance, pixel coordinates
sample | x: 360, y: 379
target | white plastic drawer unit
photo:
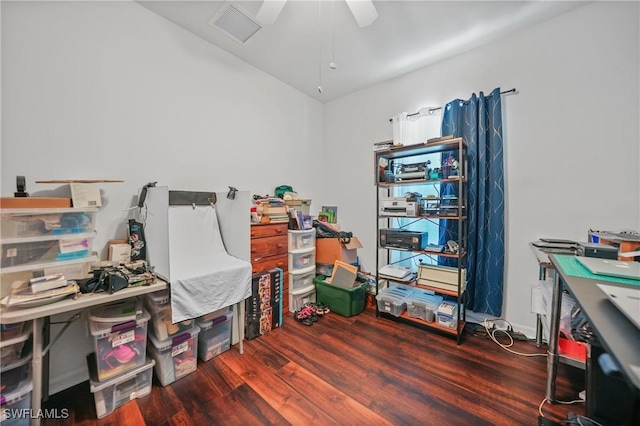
x: 37, y: 237
x: 301, y: 259
x: 304, y: 239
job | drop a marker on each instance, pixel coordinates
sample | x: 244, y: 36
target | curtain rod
x: 432, y: 110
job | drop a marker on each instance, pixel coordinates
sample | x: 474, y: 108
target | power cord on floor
x: 491, y: 332
x: 571, y: 421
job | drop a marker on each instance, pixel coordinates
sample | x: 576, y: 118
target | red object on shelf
x: 572, y: 349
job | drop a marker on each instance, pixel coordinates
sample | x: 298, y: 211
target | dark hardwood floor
x: 348, y: 371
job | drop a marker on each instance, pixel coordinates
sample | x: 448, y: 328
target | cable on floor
x: 492, y: 335
x: 578, y: 417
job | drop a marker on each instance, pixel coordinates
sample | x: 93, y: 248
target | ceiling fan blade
x: 269, y: 11
x: 363, y: 10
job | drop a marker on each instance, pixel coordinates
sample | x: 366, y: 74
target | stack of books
x: 273, y: 210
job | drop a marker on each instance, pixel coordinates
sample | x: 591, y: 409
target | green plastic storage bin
x: 342, y: 301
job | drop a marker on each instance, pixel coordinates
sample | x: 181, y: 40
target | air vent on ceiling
x: 235, y: 23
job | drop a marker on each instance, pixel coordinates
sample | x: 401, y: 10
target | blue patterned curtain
x: 479, y: 122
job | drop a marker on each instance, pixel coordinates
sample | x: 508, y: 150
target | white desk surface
x: 16, y: 314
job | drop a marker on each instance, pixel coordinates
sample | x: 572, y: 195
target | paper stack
x: 47, y: 282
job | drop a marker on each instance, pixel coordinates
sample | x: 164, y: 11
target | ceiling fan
x: 363, y: 11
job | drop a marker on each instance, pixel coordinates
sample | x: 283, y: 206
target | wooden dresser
x: 269, y: 249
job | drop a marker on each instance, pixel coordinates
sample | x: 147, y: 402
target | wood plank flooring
x: 348, y: 371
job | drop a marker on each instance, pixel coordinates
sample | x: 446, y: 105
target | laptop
x: 612, y: 268
x: 626, y: 299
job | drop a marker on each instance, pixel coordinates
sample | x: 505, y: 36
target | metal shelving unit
x: 431, y: 208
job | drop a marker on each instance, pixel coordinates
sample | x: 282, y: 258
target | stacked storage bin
x: 302, y: 268
x: 174, y: 347
x: 423, y: 304
x: 393, y: 300
x: 15, y: 376
x: 119, y: 369
x: 343, y: 301
x: 264, y: 306
x: 215, y: 335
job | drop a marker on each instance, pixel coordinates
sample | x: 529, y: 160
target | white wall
x: 109, y: 90
x: 571, y: 134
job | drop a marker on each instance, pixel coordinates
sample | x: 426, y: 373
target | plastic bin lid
x: 425, y: 299
x: 117, y: 312
x: 161, y: 297
x: 98, y: 328
x: 174, y: 340
x: 205, y: 325
x: 20, y: 338
x: 19, y: 393
x: 11, y: 326
x: 96, y: 386
x: 392, y: 294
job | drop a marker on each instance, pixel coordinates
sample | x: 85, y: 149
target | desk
x: 619, y: 337
x: 40, y: 313
x: 544, y: 267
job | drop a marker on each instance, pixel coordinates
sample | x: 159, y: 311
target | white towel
x: 204, y: 277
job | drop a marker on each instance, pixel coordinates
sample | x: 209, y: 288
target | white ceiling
x: 407, y: 35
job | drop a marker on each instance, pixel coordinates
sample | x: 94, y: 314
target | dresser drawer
x: 268, y: 246
x: 270, y: 230
x: 269, y: 262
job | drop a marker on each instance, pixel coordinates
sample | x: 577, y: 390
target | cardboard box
x: 328, y: 250
x: 120, y: 252
x: 34, y: 203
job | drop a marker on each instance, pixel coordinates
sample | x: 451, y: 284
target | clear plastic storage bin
x: 12, y: 375
x: 11, y: 331
x: 25, y: 252
x: 215, y: 336
x: 114, y: 392
x: 26, y: 223
x: 159, y: 306
x: 424, y: 305
x: 11, y: 349
x: 304, y: 239
x: 302, y: 259
x: 119, y: 331
x: 15, y: 404
x: 447, y: 315
x: 175, y: 357
x: 302, y: 279
x: 393, y: 300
